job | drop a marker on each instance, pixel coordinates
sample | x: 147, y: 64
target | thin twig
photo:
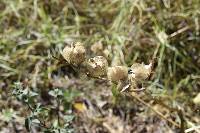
x: 179, y: 31
x: 60, y: 60
x: 42, y: 124
x: 179, y: 112
x: 157, y: 112
x: 192, y: 129
x: 58, y: 110
x: 14, y: 126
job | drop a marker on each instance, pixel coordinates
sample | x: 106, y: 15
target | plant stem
x: 42, y: 124
x: 58, y: 110
x: 157, y: 112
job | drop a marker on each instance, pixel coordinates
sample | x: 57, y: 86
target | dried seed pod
x: 75, y: 54
x: 196, y: 100
x: 140, y: 71
x: 79, y: 53
x: 97, y: 66
x: 66, y: 53
x: 117, y: 73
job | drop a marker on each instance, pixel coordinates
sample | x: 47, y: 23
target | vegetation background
x: 32, y: 31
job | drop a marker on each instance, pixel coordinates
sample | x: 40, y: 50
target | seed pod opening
x: 75, y: 54
x: 97, y: 66
x: 140, y: 71
x: 117, y: 73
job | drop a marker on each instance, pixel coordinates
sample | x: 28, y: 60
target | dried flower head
x: 97, y: 66
x: 117, y: 73
x: 75, y: 54
x: 140, y: 71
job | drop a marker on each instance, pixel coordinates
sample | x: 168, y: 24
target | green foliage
x: 39, y: 113
x: 56, y: 93
x: 7, y: 115
x: 25, y: 95
x: 70, y: 95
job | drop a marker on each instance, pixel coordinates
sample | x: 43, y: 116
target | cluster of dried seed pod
x: 97, y: 67
x: 76, y: 55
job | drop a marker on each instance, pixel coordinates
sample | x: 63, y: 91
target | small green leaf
x: 68, y: 118
x: 32, y: 94
x: 36, y: 121
x: 56, y: 93
x: 55, y: 124
x: 70, y: 95
x: 71, y: 130
x: 28, y: 124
